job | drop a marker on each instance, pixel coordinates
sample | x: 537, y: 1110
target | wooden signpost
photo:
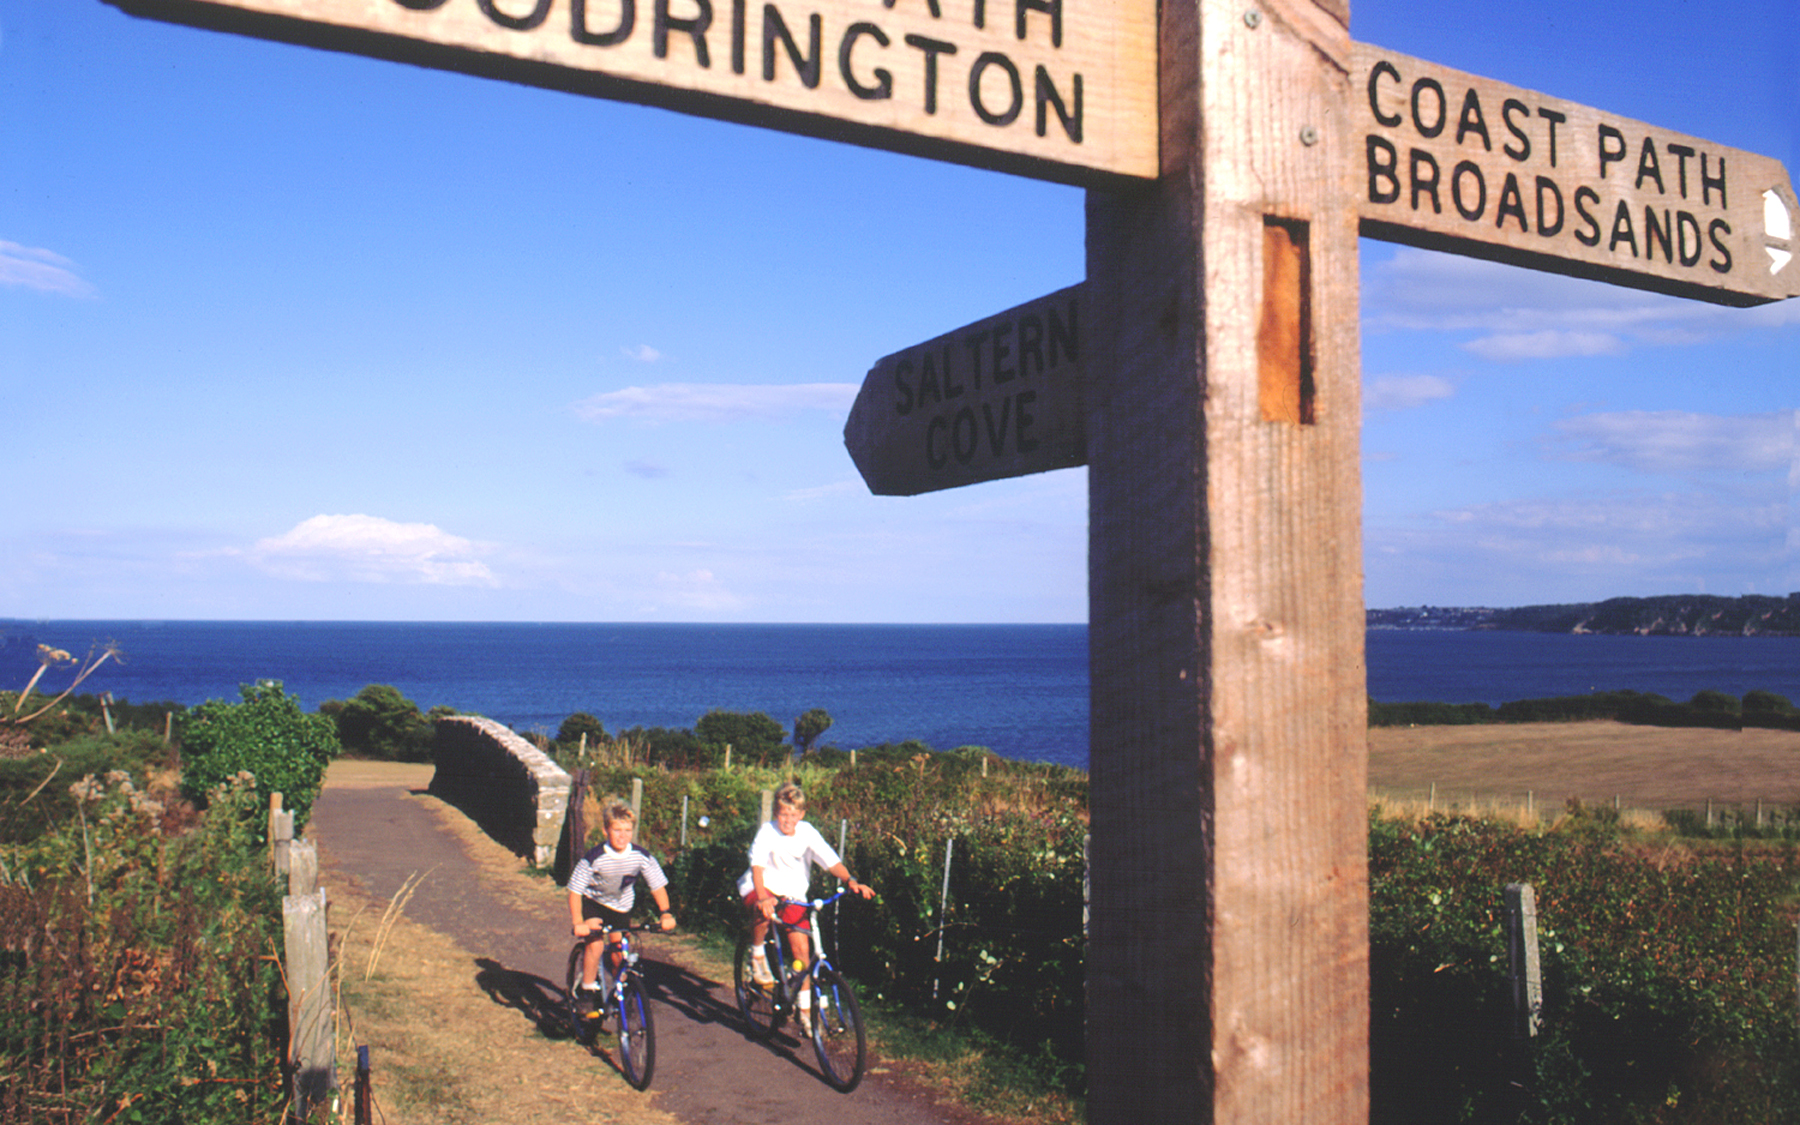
x: 1207, y: 373
x: 997, y: 398
x: 1455, y: 162
x: 1058, y: 89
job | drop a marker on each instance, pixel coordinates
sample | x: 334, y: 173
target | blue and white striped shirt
x: 610, y: 878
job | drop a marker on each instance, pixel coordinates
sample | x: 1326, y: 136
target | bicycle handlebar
x: 815, y: 903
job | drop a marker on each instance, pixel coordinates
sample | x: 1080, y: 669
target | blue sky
x: 293, y: 335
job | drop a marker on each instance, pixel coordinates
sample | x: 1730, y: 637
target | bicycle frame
x: 790, y: 980
x: 622, y: 998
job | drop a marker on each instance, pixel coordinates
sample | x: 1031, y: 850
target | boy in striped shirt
x: 603, y: 889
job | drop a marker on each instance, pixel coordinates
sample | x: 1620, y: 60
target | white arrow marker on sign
x: 1776, y: 225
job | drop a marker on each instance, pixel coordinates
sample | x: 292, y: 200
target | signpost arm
x: 1228, y: 959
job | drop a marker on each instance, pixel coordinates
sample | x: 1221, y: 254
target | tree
x: 578, y: 724
x: 379, y: 722
x: 808, y: 728
x: 267, y: 735
x: 750, y: 735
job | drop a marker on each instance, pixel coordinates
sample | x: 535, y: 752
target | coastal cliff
x: 1689, y: 615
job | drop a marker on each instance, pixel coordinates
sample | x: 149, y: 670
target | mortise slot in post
x: 1284, y: 336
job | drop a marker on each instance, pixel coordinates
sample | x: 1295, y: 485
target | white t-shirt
x: 785, y: 860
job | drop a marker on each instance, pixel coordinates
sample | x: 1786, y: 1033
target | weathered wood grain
x: 1049, y: 88
x: 1227, y: 970
x: 1453, y: 161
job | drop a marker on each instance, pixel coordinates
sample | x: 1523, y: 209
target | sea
x: 1019, y: 690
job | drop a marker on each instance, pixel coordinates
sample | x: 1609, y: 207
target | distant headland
x: 1670, y: 615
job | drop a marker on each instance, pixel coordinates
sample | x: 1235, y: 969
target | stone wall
x: 504, y: 783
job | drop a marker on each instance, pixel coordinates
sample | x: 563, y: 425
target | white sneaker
x: 804, y: 1016
x: 759, y: 972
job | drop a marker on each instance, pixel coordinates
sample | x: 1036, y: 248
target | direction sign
x: 1450, y: 161
x: 997, y: 398
x: 1046, y: 88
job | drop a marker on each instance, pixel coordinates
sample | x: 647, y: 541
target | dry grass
x: 1492, y: 769
x: 443, y: 1052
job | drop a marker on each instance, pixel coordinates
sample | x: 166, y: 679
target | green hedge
x: 1667, y: 971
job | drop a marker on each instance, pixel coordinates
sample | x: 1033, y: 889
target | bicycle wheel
x: 838, y: 1031
x: 578, y: 1022
x: 756, y: 1002
x: 637, y: 1035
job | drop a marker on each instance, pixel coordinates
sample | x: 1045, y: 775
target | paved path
x: 706, y: 1070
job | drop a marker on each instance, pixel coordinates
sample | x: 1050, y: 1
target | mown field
x: 1645, y: 767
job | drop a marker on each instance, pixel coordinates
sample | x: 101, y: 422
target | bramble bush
x: 1667, y: 975
x: 138, y: 984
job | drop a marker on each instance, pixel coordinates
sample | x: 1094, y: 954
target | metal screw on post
x: 1309, y: 135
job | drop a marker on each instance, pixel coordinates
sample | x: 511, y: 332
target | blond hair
x: 790, y: 795
x: 616, y: 811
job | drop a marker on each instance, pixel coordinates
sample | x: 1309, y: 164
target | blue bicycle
x: 832, y: 1020
x: 621, y: 1000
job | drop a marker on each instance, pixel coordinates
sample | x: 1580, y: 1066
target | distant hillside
x: 1675, y: 615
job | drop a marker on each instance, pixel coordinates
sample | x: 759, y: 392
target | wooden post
x: 302, y: 867
x: 274, y: 819
x: 312, y: 1023
x: 1522, y: 960
x: 768, y: 806
x: 282, y: 839
x: 1227, y: 972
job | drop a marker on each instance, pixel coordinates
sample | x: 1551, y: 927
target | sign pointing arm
x: 1450, y: 161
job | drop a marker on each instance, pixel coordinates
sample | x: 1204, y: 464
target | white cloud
x: 697, y: 590
x: 363, y: 548
x: 1403, y: 392
x: 1674, y: 441
x: 717, y: 402
x: 1542, y: 549
x: 852, y: 488
x: 40, y: 269
x: 1549, y: 343
x: 647, y: 469
x: 1519, y: 314
x: 643, y: 353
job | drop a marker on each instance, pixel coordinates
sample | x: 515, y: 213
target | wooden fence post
x: 312, y: 1023
x: 637, y: 798
x: 1522, y: 960
x: 303, y: 867
x: 943, y: 905
x: 768, y: 806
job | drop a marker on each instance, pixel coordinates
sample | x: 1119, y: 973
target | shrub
x: 1668, y: 986
x: 379, y: 722
x: 141, y: 966
x: 268, y: 735
x: 579, y: 724
x: 753, y: 737
x: 34, y: 791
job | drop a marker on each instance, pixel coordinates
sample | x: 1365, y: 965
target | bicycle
x: 623, y: 999
x: 837, y: 1027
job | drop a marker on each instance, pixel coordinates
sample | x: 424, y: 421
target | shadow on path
x: 538, y: 1000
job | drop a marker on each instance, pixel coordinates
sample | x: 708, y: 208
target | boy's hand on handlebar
x: 668, y: 921
x: 862, y: 889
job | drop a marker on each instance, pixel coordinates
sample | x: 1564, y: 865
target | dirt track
x: 376, y: 828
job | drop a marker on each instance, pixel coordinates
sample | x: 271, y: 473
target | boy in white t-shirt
x: 781, y: 860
